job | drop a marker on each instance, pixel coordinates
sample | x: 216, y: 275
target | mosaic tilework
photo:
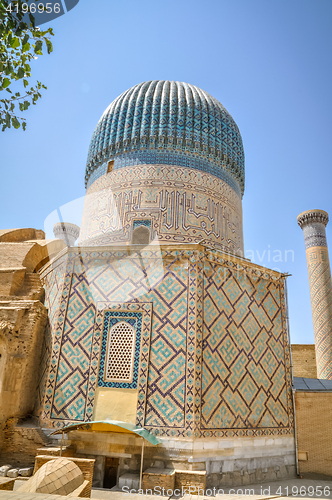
x: 57, y: 337
x: 184, y: 341
x: 52, y: 280
x: 321, y: 304
x: 313, y: 223
x: 314, y: 235
x: 72, y: 371
x: 171, y: 116
x: 167, y: 158
x: 184, y: 206
x: 251, y: 299
x: 168, y: 370
x: 43, y: 369
x: 73, y: 399
x: 243, y: 370
x: 111, y: 318
x: 142, y: 222
x: 145, y: 309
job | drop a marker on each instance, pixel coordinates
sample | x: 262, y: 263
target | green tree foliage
x: 20, y: 42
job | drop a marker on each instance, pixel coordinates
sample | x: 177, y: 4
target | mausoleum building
x: 156, y: 318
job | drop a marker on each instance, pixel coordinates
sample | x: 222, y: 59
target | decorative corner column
x: 313, y: 223
x: 67, y: 232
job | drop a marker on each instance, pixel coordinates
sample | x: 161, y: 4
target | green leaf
x: 49, y: 46
x: 24, y: 125
x: 32, y: 20
x: 21, y: 106
x: 38, y: 47
x: 5, y: 83
x: 26, y: 47
x: 15, y: 122
x: 20, y: 73
x: 26, y: 104
x: 25, y: 83
x: 15, y: 42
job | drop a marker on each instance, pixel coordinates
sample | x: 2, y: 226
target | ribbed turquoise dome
x: 167, y: 117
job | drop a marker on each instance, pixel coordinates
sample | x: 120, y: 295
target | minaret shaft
x: 313, y: 223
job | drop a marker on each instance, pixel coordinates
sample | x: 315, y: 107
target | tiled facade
x: 213, y: 357
x: 183, y: 205
x: 160, y: 250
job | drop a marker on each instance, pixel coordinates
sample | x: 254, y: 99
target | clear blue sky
x: 268, y: 62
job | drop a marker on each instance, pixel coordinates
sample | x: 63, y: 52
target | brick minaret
x: 313, y: 223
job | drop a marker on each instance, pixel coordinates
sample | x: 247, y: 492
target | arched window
x: 110, y: 166
x: 141, y: 236
x: 120, y: 353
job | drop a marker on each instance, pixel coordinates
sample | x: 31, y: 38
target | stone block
x: 26, y: 472
x: 190, y: 481
x: 225, y: 444
x: 228, y: 466
x: 4, y: 469
x: 12, y: 473
x: 158, y: 477
x: 158, y: 464
x: 210, y: 445
x: 129, y: 480
x: 215, y: 467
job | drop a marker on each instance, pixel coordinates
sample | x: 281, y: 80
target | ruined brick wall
x: 314, y: 431
x: 304, y: 360
x: 23, y: 318
x: 20, y: 443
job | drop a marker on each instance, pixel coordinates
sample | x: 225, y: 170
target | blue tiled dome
x: 167, y: 117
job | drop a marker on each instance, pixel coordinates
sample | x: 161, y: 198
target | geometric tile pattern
x: 213, y: 355
x: 141, y: 222
x: 243, y: 369
x: 182, y: 204
x: 321, y: 304
x: 53, y: 283
x: 142, y: 310
x: 171, y: 117
x: 46, y: 352
x: 75, y: 348
x: 313, y: 223
x: 168, y: 352
x: 246, y: 379
x: 182, y: 159
x: 111, y: 318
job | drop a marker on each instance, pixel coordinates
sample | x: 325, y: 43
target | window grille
x: 120, y: 353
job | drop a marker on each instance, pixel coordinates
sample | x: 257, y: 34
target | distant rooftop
x: 312, y: 384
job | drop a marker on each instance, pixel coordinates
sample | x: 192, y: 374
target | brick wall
x: 304, y: 360
x: 20, y: 444
x: 314, y: 431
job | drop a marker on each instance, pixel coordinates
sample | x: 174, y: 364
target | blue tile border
x: 110, y: 319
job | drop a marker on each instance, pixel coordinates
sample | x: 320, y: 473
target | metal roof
x: 312, y: 384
